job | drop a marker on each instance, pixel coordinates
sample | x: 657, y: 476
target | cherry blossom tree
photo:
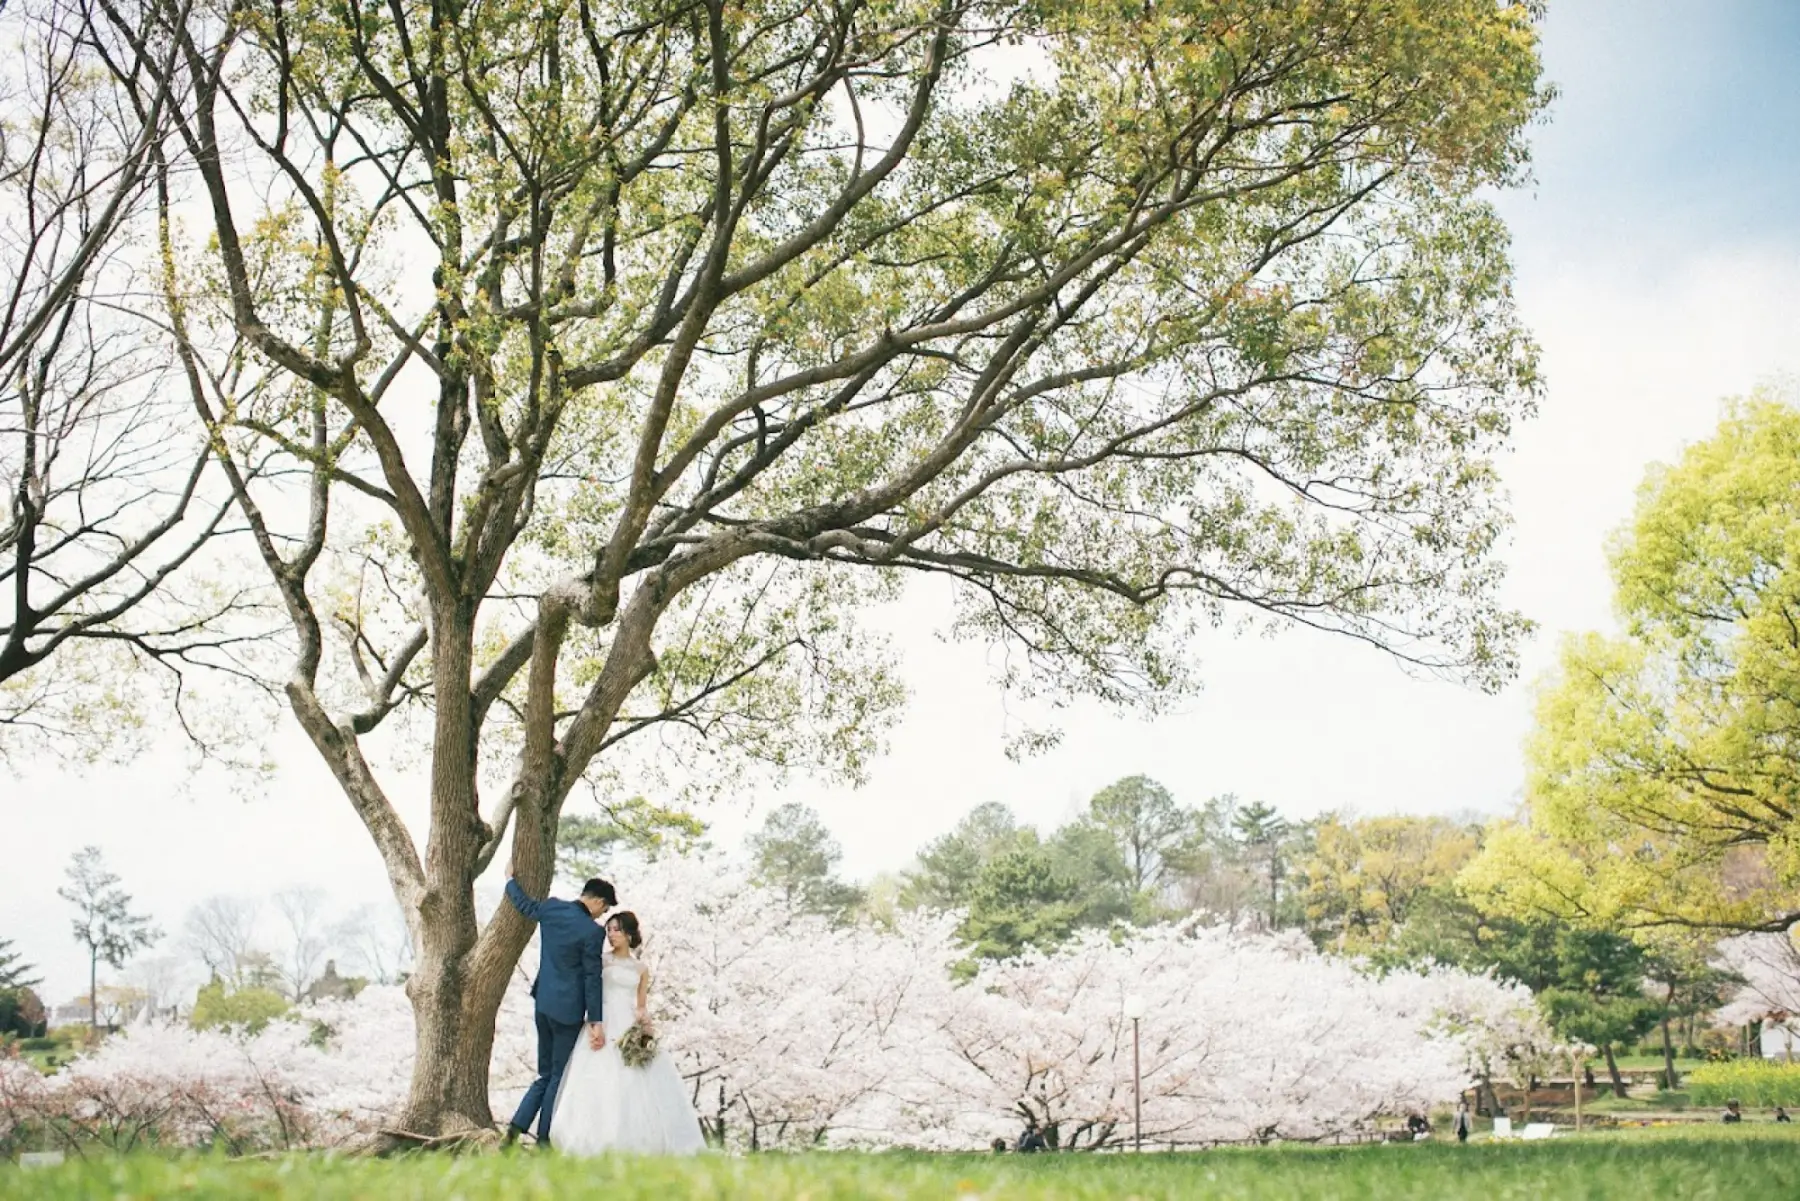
x: 787, y: 1024
x: 796, y: 1031
x: 1245, y: 1037
x: 1502, y: 1034
x: 1769, y: 967
x: 332, y: 1072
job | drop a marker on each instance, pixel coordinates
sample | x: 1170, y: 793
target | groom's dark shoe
x: 512, y: 1136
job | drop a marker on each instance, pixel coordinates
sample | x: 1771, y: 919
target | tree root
x: 389, y: 1140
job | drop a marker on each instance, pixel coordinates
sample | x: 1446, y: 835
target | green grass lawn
x: 46, y: 1054
x: 1641, y: 1100
x: 1729, y: 1165
x: 1641, y: 1063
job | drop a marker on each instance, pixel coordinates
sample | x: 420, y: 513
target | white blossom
x: 794, y: 1031
x: 1769, y: 965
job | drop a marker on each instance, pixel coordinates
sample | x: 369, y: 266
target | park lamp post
x: 1134, y: 1009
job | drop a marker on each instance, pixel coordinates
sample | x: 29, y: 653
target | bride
x: 604, y: 1106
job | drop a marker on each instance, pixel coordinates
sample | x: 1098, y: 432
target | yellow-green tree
x: 218, y: 1007
x: 1664, y: 772
x: 1364, y: 876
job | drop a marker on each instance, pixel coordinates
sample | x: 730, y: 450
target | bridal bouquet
x: 637, y: 1047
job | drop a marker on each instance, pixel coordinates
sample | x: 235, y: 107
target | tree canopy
x: 1021, y: 902
x: 105, y: 924
x: 112, y: 502
x: 1365, y: 877
x: 579, y: 369
x: 1132, y: 856
x: 1664, y: 782
x: 950, y: 865
x: 1145, y: 823
x: 795, y: 854
x: 587, y: 845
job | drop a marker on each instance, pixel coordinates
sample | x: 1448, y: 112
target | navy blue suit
x: 567, y: 988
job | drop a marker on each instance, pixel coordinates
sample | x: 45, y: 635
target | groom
x: 567, y: 986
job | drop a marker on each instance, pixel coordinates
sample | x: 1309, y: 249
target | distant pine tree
x: 14, y: 971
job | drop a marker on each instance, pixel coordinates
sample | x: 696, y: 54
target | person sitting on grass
x: 1418, y: 1126
x: 1732, y: 1113
x: 1781, y: 1115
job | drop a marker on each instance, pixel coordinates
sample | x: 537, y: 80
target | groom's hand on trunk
x: 596, y: 1035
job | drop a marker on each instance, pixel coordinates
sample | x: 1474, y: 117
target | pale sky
x: 1658, y: 264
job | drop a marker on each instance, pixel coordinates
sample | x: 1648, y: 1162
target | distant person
x: 1781, y: 1115
x: 999, y: 1146
x: 1031, y: 1141
x: 1418, y: 1126
x: 1733, y: 1113
x: 1463, y: 1121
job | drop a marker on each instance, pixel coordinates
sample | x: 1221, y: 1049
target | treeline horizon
x: 1395, y: 890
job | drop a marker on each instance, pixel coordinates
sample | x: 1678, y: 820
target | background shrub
x: 248, y: 1008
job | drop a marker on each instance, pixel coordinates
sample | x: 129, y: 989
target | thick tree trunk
x: 463, y: 968
x: 453, y: 1022
x: 454, y: 1043
x: 1612, y: 1068
x: 453, y: 1039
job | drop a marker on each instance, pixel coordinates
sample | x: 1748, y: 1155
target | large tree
x: 1004, y: 874
x: 221, y: 932
x: 599, y: 359
x: 1664, y: 782
x: 301, y: 939
x: 1590, y: 984
x: 1262, y: 834
x: 1209, y: 870
x: 1021, y: 902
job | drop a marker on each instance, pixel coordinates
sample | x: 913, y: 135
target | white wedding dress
x: 604, y: 1107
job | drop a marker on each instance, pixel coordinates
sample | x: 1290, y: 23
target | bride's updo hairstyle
x: 628, y: 922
